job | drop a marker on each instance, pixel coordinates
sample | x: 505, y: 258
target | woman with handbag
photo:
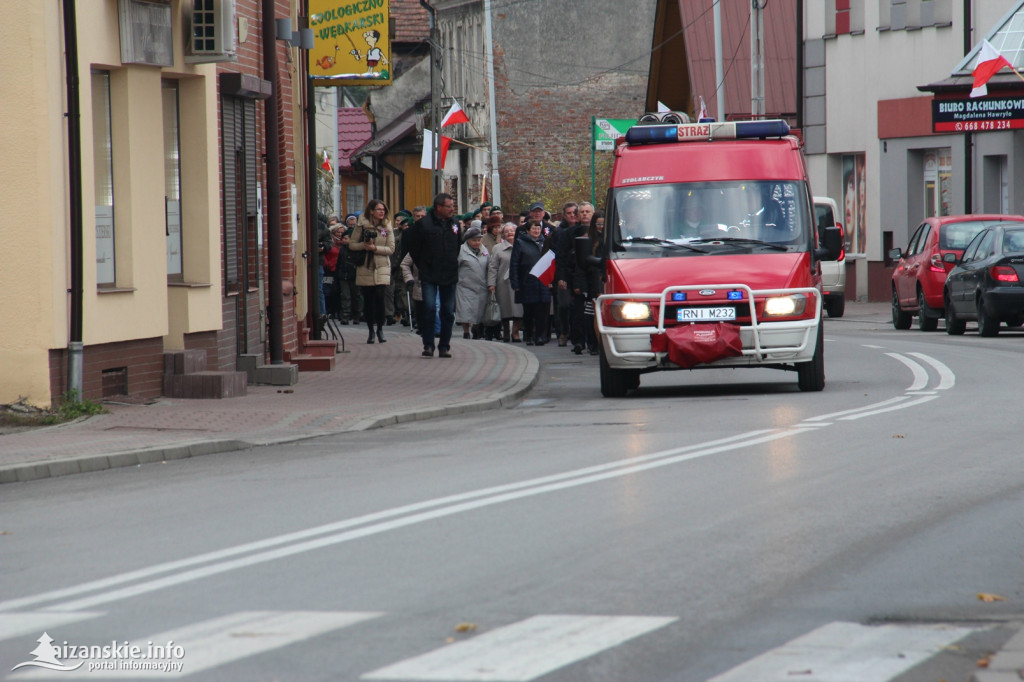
x: 375, y: 237
x: 471, y: 292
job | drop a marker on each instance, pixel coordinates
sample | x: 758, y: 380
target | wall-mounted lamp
x: 302, y: 39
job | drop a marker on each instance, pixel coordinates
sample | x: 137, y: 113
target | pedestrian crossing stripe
x: 839, y: 652
x: 522, y: 651
x: 218, y: 641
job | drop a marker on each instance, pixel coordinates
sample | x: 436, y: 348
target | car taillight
x: 842, y: 241
x: 936, y: 263
x: 1003, y: 273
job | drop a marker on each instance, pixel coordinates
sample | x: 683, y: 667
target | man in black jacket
x: 433, y: 242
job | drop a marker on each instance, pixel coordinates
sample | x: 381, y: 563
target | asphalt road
x: 676, y: 534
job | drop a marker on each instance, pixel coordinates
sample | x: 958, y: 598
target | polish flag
x: 544, y: 270
x: 427, y: 156
x: 989, y: 62
x: 454, y: 115
x: 326, y: 165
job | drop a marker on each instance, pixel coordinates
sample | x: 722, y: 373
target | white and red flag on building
x: 326, y: 165
x: 544, y: 269
x: 427, y: 156
x: 989, y: 62
x: 703, y: 113
x: 454, y: 115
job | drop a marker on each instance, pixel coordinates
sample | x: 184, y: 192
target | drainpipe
x: 272, y: 133
x: 75, y: 346
x: 800, y: 64
x: 968, y: 137
x: 435, y: 100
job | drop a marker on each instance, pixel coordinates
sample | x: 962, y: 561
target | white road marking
x: 844, y: 652
x: 522, y: 651
x: 920, y: 374
x: 35, y: 622
x: 214, y: 642
x: 893, y: 408
x: 833, y: 415
x: 946, y: 377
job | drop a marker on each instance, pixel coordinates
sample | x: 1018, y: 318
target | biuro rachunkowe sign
x: 980, y: 114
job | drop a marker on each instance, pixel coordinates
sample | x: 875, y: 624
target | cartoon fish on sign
x: 327, y: 61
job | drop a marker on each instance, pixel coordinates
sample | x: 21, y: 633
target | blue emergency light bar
x: 695, y: 132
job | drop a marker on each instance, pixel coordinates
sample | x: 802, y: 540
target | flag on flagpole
x: 703, y: 110
x: 989, y: 62
x: 544, y: 270
x: 427, y: 156
x: 454, y: 115
x: 326, y: 165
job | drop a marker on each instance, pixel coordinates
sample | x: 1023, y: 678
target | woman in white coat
x: 471, y: 291
x: 497, y: 281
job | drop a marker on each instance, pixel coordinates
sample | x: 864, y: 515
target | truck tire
x: 811, y: 375
x: 614, y: 382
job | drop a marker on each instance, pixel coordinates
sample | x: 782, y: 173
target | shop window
x: 938, y: 182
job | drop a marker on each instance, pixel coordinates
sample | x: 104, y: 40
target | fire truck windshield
x: 715, y: 217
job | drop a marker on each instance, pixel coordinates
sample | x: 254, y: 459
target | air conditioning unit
x: 210, y: 35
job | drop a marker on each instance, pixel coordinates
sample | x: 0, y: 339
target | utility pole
x: 489, y: 43
x: 272, y: 131
x: 757, y: 107
x: 435, y: 97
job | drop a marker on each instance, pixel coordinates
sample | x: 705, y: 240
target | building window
x: 355, y: 198
x: 844, y: 16
x: 103, y: 174
x: 938, y: 182
x: 172, y: 179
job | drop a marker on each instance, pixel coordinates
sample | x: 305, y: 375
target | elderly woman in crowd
x: 375, y: 236
x: 533, y: 294
x: 498, y: 282
x: 471, y: 291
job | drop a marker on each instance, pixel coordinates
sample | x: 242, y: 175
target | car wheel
x: 835, y: 307
x: 613, y: 381
x: 954, y: 327
x: 900, y: 319
x: 987, y: 325
x: 925, y: 321
x: 811, y: 375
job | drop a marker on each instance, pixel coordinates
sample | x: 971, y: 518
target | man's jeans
x: 430, y: 294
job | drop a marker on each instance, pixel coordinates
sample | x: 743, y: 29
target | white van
x: 833, y: 272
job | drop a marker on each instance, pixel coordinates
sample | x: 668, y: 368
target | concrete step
x: 199, y: 385
x: 184, y: 361
x: 312, y: 363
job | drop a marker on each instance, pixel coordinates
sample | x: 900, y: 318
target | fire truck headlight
x: 785, y: 306
x: 631, y: 311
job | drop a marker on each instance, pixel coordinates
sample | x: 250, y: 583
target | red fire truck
x: 710, y: 255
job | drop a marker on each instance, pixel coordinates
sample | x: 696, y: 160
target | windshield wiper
x: 662, y: 242
x: 739, y: 240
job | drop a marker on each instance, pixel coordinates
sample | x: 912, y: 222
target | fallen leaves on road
x: 989, y: 598
x: 898, y: 435
x: 465, y: 627
x: 983, y: 662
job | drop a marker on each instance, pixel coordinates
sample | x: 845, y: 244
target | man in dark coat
x: 434, y: 243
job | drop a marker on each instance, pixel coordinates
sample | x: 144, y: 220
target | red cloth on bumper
x: 693, y: 344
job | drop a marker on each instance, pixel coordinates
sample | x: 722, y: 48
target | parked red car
x: 920, y: 275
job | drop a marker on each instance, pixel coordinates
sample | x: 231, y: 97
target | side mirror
x: 831, y: 244
x: 895, y: 254
x: 950, y: 258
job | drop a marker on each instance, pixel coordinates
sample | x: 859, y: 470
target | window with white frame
x: 172, y: 178
x: 103, y: 175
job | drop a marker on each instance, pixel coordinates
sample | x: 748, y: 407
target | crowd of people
x: 432, y: 269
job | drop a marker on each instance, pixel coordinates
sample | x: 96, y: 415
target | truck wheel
x: 900, y: 319
x: 925, y: 321
x: 614, y: 382
x: 835, y: 307
x: 811, y: 375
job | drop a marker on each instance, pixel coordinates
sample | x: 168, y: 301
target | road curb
x: 22, y: 473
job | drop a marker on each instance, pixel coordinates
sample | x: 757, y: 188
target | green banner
x: 607, y: 130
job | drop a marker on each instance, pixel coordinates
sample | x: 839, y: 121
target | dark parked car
x: 987, y: 283
x: 917, y: 279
